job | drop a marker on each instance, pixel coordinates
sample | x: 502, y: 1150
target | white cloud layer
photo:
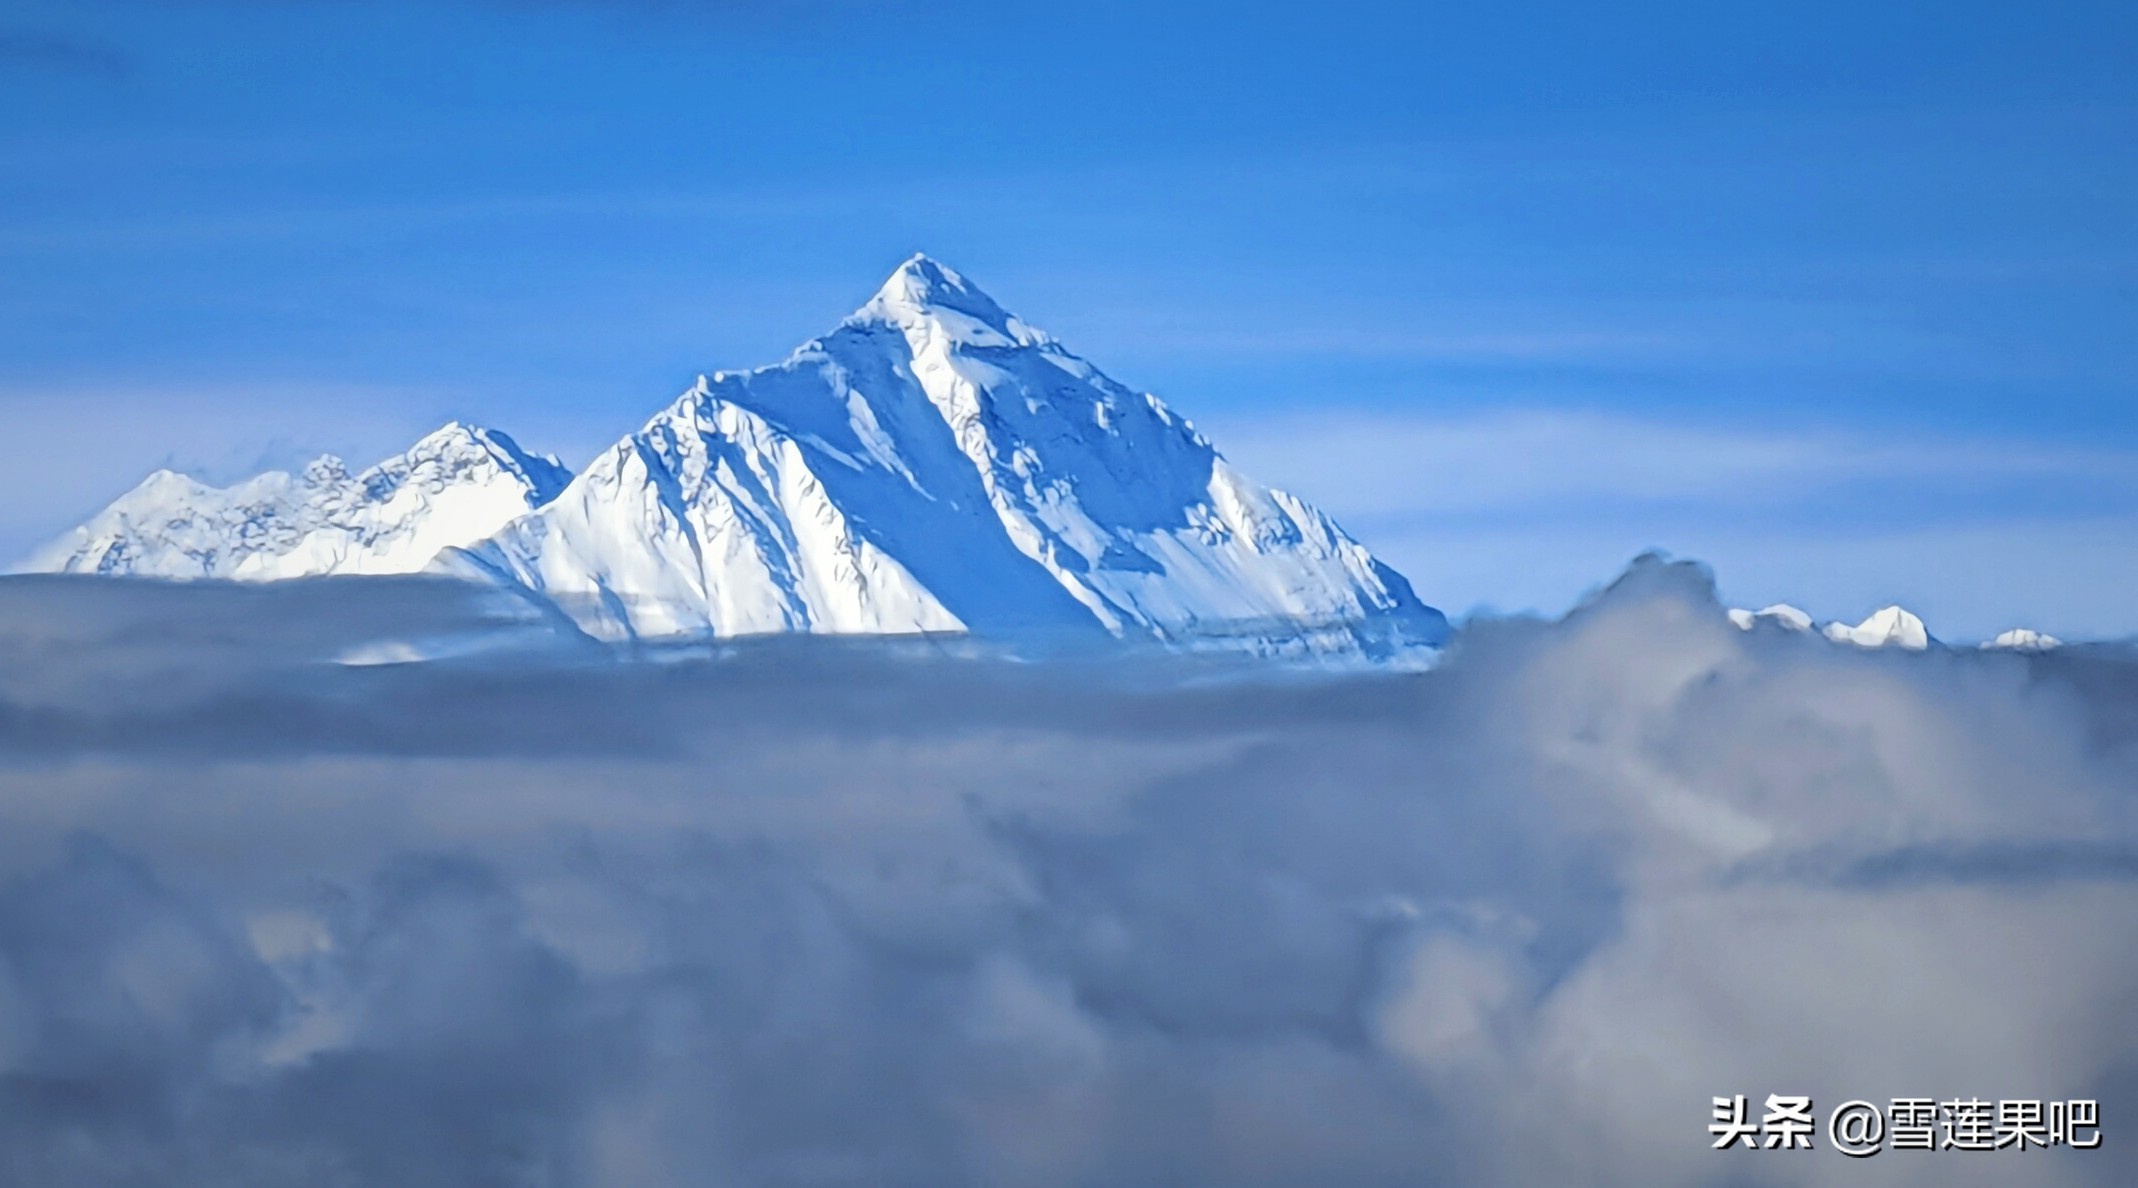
x: 814, y: 914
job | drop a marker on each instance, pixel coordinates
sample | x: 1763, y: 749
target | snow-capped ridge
x: 454, y: 486
x: 1891, y: 626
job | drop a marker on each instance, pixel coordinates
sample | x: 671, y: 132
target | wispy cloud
x: 1413, y: 345
x: 39, y: 49
x: 1525, y: 509
x: 1567, y: 461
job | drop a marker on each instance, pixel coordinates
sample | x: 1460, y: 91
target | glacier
x: 933, y: 465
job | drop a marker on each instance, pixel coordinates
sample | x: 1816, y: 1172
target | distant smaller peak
x: 463, y: 437
x: 162, y: 484
x: 1893, y: 618
x: 1891, y: 625
x: 459, y: 445
x: 2024, y: 639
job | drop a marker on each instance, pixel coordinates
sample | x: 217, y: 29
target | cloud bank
x: 816, y: 913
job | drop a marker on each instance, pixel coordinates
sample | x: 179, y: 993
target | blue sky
x: 1842, y: 301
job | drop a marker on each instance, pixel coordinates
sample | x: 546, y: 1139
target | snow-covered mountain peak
x: 932, y: 303
x: 2023, y: 639
x: 460, y: 440
x: 935, y: 464
x: 1891, y: 626
x: 458, y: 449
x: 922, y: 283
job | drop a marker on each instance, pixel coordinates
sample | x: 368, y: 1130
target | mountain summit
x: 932, y: 464
x: 922, y: 287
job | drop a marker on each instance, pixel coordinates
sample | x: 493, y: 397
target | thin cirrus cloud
x: 43, y: 49
x: 1589, y: 347
x: 1409, y: 463
x: 1525, y: 509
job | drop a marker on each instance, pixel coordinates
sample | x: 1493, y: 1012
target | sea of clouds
x: 820, y: 913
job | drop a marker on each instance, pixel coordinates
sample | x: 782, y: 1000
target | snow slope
x: 936, y: 464
x: 456, y: 486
